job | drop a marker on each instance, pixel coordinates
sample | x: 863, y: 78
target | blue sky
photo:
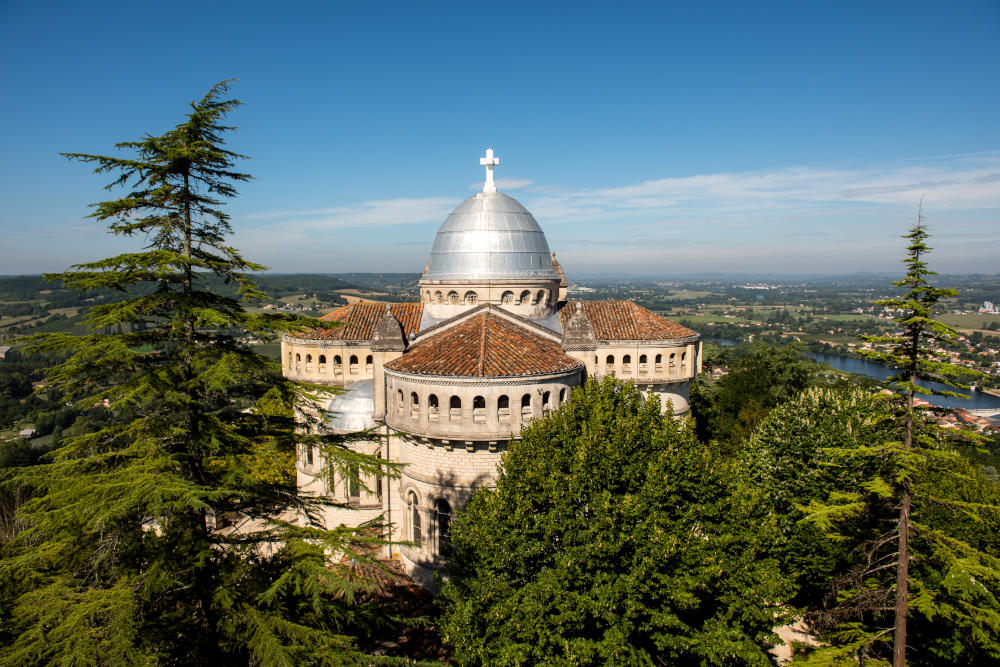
x: 656, y: 138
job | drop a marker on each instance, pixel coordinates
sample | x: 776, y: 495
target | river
x: 977, y: 400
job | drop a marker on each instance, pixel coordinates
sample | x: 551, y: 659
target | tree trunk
x: 903, y: 557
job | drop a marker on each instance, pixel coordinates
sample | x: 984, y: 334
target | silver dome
x: 490, y: 236
x: 352, y: 410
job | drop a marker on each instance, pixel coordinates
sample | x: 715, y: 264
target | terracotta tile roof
x: 487, y: 345
x: 359, y: 320
x: 624, y: 320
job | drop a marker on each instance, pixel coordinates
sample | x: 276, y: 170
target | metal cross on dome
x: 489, y: 162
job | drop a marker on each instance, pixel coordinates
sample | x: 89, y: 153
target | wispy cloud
x: 964, y: 182
x: 375, y: 213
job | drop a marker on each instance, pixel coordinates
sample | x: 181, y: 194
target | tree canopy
x: 759, y: 377
x: 612, y: 537
x: 171, y: 534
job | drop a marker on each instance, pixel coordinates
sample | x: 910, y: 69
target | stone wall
x: 527, y: 298
x: 326, y: 362
x: 472, y: 408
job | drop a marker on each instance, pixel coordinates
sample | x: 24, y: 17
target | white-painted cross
x: 489, y: 162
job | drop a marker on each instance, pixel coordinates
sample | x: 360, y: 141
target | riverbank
x: 980, y: 399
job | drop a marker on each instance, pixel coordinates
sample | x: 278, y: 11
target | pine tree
x: 914, y: 478
x: 172, y: 535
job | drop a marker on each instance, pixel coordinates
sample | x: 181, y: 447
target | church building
x: 448, y: 382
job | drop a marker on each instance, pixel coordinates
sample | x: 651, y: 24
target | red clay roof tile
x: 359, y: 319
x: 486, y: 345
x: 624, y: 320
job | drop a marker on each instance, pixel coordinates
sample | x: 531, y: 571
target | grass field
x: 688, y: 294
x: 844, y: 317
x: 969, y: 321
x: 708, y: 319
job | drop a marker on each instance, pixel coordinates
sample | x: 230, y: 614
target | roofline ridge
x: 449, y: 322
x: 520, y: 320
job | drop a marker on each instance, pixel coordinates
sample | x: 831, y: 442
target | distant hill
x: 276, y: 286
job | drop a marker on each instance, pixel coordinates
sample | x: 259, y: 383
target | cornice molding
x: 466, y: 381
x: 673, y: 342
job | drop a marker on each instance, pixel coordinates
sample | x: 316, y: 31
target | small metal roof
x: 352, y: 410
x: 490, y: 236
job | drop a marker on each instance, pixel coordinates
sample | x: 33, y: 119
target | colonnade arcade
x: 477, y: 410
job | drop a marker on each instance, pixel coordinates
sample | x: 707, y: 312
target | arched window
x: 455, y: 408
x: 659, y: 359
x: 643, y: 359
x: 289, y: 358
x: 442, y: 512
x: 526, y: 401
x: 413, y: 509
x: 546, y: 401
x: 309, y: 454
x: 438, y: 297
x: 596, y: 360
x: 453, y: 297
x: 414, y: 405
x: 479, y: 410
x: 525, y: 297
x: 353, y: 361
x: 562, y: 396
x: 627, y: 362
x: 541, y: 297
x: 399, y: 400
x: 503, y: 408
x: 432, y: 407
x: 683, y: 356
x: 672, y: 355
x: 322, y: 359
x: 338, y: 365
x: 354, y: 484
x: 610, y: 361
x: 368, y: 360
x: 471, y: 297
x: 507, y: 298
x: 526, y: 411
x: 337, y: 360
x: 309, y: 358
x: 298, y: 357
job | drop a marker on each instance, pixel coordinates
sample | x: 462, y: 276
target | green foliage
x: 787, y: 457
x: 759, y: 377
x: 821, y: 459
x: 168, y: 534
x: 612, y: 537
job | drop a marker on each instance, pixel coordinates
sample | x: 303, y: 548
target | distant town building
x: 3, y: 351
x: 989, y: 308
